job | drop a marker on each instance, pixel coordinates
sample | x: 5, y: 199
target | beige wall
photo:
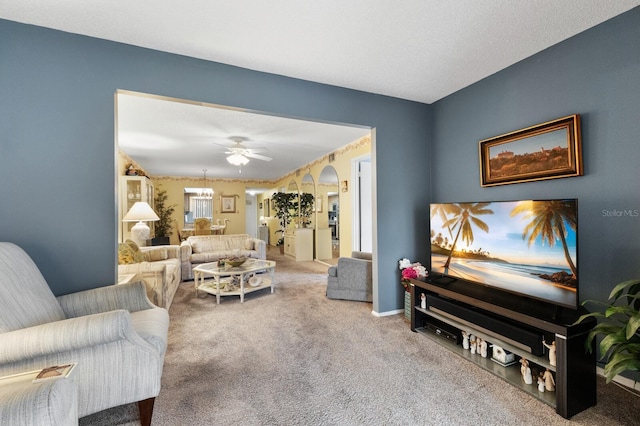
x: 342, y: 164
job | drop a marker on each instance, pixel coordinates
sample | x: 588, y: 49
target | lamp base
x: 140, y: 233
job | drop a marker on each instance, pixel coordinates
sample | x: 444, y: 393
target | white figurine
x: 526, y: 371
x: 483, y: 348
x: 549, y: 383
x: 472, y: 343
x: 528, y: 378
x: 552, y: 352
x: 423, y: 301
x: 465, y: 340
x: 540, y: 383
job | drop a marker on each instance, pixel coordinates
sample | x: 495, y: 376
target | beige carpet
x: 297, y: 358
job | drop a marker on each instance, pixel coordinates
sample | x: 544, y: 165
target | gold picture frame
x: 227, y: 204
x: 549, y: 150
x: 319, y: 205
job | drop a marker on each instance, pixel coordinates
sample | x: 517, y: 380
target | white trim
x: 388, y: 313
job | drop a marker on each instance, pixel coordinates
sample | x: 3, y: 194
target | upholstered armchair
x: 351, y: 278
x: 115, y: 335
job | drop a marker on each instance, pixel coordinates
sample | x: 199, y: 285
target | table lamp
x: 140, y: 212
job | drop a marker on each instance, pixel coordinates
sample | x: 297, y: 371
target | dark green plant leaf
x: 619, y: 363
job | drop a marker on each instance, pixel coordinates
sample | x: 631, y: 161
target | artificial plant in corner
x: 618, y: 326
x: 162, y: 227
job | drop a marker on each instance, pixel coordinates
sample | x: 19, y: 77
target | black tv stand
x: 517, y: 326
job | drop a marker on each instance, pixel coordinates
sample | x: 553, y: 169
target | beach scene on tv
x: 526, y: 247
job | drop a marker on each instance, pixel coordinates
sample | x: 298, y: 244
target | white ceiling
x: 421, y: 50
x: 181, y: 138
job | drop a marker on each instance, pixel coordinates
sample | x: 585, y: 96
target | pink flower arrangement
x: 410, y: 271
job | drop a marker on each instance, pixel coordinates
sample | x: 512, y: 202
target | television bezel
x: 499, y: 295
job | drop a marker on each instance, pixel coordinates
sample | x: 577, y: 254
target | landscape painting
x: 546, y: 151
x: 525, y: 247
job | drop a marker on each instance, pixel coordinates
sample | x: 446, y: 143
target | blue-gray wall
x: 57, y: 146
x: 595, y: 74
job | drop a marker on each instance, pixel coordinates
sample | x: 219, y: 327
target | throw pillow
x: 125, y: 254
x: 135, y: 250
x: 248, y: 244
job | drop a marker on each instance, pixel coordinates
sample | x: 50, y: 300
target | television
x: 527, y: 248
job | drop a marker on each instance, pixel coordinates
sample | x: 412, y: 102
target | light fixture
x: 237, y: 159
x: 345, y: 186
x: 140, y: 212
x: 205, y: 192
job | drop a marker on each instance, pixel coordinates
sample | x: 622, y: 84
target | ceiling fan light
x: 237, y: 159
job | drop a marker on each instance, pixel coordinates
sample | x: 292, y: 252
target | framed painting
x: 267, y: 207
x: 319, y: 204
x: 545, y: 151
x: 228, y: 204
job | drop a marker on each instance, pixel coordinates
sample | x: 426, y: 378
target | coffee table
x: 223, y: 276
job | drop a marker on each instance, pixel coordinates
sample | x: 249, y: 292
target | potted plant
x: 162, y: 227
x: 285, y: 207
x: 306, y: 208
x: 618, y: 326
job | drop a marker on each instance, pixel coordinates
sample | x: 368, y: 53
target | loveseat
x: 210, y: 248
x: 158, y: 267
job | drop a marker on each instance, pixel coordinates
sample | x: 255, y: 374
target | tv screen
x: 524, y: 247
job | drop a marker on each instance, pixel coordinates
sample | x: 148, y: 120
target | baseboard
x: 624, y: 381
x: 387, y: 313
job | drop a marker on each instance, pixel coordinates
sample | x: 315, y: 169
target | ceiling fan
x: 239, y: 154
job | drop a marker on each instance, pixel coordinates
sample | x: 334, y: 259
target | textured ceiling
x: 421, y: 50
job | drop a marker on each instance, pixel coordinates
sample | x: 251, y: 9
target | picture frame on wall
x: 549, y: 150
x: 319, y: 205
x: 227, y: 204
x: 267, y: 207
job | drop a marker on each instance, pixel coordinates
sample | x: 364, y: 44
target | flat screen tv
x: 527, y: 247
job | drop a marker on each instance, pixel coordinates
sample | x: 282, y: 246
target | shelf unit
x: 575, y: 369
x: 298, y: 243
x: 133, y: 189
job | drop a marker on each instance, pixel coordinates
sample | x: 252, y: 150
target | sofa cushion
x: 155, y: 254
x: 202, y: 245
x: 248, y: 244
x: 236, y: 243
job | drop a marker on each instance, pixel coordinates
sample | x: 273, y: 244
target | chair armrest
x: 131, y: 297
x: 173, y: 251
x: 261, y: 247
x: 68, y: 335
x: 185, y: 250
x: 354, y: 269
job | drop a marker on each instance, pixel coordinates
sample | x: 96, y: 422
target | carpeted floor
x: 297, y: 358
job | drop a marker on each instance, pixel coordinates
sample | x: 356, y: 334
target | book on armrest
x: 54, y: 372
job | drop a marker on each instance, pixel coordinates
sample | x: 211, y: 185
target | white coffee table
x: 223, y: 276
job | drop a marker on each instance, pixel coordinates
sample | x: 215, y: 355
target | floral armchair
x: 115, y: 335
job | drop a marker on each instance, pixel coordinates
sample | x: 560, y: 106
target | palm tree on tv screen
x: 548, y: 219
x: 464, y: 215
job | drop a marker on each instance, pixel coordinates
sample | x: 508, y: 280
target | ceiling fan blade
x: 257, y: 156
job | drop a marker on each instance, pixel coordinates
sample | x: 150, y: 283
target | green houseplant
x: 162, y: 228
x: 306, y: 208
x: 285, y: 206
x: 618, y: 326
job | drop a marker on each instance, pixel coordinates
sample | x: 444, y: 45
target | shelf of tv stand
x: 510, y: 374
x: 575, y: 370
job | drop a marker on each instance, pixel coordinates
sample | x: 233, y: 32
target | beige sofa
x: 159, y: 270
x: 210, y: 248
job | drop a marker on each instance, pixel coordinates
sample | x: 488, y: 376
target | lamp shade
x: 140, y: 211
